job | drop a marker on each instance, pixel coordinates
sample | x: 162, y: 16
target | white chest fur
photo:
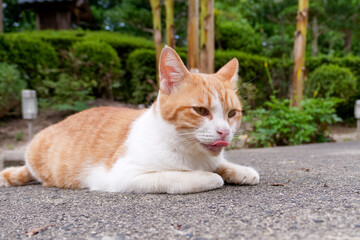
x: 153, y: 145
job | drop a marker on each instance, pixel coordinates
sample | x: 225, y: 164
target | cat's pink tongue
x: 220, y: 144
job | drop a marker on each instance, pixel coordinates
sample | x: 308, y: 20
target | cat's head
x: 204, y: 108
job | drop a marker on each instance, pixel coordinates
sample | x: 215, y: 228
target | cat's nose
x: 223, y: 132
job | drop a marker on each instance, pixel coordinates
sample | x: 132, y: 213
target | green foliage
x: 331, y: 81
x: 19, y: 136
x: 141, y: 64
x: 16, y: 18
x: 259, y: 76
x: 11, y: 85
x: 278, y: 124
x: 99, y: 64
x: 239, y: 36
x: 68, y: 93
x: 64, y: 39
x: 32, y: 56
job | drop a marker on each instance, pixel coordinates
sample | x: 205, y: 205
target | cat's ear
x: 229, y: 72
x: 172, y: 70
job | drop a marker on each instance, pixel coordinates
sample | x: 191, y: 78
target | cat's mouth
x: 216, y: 147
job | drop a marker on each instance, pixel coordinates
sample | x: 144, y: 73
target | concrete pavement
x: 305, y: 192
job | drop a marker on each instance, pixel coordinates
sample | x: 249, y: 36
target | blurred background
x: 78, y: 54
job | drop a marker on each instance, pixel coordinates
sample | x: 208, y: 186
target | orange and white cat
x: 175, y: 146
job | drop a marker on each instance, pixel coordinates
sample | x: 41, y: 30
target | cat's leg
x: 233, y: 173
x: 175, y: 182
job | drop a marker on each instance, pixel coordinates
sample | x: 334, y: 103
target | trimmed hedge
x: 331, y: 80
x: 33, y: 57
x: 11, y: 85
x: 99, y: 65
x: 345, y: 109
x: 142, y: 66
x: 239, y: 36
x: 64, y: 39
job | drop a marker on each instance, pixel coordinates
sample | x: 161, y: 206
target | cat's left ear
x: 229, y: 72
x: 172, y: 70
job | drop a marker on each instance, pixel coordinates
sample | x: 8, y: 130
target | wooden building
x: 59, y: 14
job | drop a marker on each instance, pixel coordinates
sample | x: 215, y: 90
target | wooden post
x: 207, y: 43
x: 1, y: 18
x: 193, y: 36
x: 299, y: 53
x: 156, y: 12
x: 170, y: 29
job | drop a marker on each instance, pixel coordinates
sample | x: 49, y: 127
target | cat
x: 176, y: 146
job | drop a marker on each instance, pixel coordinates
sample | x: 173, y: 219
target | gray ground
x: 318, y: 197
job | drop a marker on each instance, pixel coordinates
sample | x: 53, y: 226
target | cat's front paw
x: 238, y: 174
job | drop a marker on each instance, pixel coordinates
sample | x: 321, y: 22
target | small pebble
x: 318, y: 220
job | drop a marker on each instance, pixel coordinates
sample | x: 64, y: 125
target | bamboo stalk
x: 170, y: 28
x: 207, y: 43
x: 156, y: 12
x: 193, y: 36
x: 299, y: 53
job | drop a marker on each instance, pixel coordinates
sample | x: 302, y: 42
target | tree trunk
x: 170, y: 29
x: 315, y: 33
x: 299, y: 53
x: 1, y: 18
x: 156, y: 12
x: 193, y: 36
x: 207, y: 43
x: 348, y: 40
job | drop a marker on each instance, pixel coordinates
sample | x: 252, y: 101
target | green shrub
x: 100, y: 64
x: 33, y: 58
x: 64, y: 39
x: 4, y: 49
x: 259, y: 76
x: 141, y: 63
x: 331, y: 80
x: 11, y: 85
x: 68, y: 93
x: 238, y: 36
x: 280, y: 124
x: 142, y: 66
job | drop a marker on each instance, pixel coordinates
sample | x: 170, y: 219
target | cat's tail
x: 15, y: 176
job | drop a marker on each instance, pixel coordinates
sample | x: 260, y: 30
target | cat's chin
x: 215, y: 149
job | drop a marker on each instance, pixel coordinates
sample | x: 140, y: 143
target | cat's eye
x: 231, y: 113
x: 201, y: 111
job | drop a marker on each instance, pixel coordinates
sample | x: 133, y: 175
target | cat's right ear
x: 172, y: 70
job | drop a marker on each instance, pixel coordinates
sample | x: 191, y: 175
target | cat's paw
x: 239, y: 175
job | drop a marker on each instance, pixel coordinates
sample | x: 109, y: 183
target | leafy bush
x: 68, y: 93
x: 239, y: 36
x: 259, y: 76
x: 4, y: 49
x: 331, y: 80
x: 141, y: 64
x: 64, y: 39
x: 280, y: 124
x: 33, y: 57
x: 100, y: 64
x: 11, y: 85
